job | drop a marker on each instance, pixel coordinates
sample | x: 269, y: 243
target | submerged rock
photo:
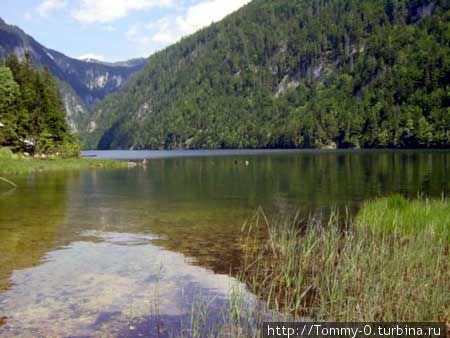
x: 3, y: 320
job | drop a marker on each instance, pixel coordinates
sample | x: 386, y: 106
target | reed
x: 390, y: 264
x: 239, y: 317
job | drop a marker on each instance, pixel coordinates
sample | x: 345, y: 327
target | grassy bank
x: 15, y: 164
x: 30, y: 165
x: 390, y: 264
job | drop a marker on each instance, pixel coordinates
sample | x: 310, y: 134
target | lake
x: 128, y: 252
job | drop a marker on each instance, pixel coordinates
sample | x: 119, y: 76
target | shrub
x: 6, y: 153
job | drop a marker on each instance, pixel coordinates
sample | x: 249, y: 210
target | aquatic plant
x: 239, y: 317
x: 343, y: 269
x: 390, y: 264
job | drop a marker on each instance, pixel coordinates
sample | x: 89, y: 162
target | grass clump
x: 392, y: 265
x: 6, y: 154
x: 236, y: 318
x: 397, y: 216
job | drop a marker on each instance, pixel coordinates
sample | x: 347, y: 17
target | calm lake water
x: 127, y: 252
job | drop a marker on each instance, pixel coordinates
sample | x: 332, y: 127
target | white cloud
x: 109, y: 28
x: 205, y: 13
x: 167, y: 30
x: 133, y: 31
x: 103, y: 11
x: 91, y: 56
x: 137, y: 35
x: 48, y: 6
x: 164, y: 34
x: 28, y: 16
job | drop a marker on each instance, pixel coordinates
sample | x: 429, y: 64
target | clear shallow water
x: 90, y: 253
x: 119, y: 285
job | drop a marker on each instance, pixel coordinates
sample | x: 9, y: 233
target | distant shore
x: 132, y: 155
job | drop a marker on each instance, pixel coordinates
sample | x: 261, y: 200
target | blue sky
x: 113, y: 30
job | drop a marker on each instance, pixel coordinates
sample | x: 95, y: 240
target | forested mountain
x: 82, y: 83
x: 304, y: 73
x: 32, y: 114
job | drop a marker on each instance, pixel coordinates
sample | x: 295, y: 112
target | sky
x: 113, y: 30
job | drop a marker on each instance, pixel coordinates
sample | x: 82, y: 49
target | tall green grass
x: 392, y: 265
x: 395, y: 215
x: 9, y: 166
x: 237, y: 318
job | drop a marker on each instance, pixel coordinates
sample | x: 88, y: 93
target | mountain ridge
x: 82, y: 84
x: 338, y: 73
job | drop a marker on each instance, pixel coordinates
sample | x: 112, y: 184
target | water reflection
x: 85, y: 250
x: 30, y: 219
x: 119, y: 284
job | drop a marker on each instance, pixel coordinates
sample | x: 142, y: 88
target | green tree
x: 32, y: 109
x: 9, y: 92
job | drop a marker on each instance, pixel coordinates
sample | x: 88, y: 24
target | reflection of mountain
x: 198, y: 206
x: 195, y: 208
x: 103, y: 287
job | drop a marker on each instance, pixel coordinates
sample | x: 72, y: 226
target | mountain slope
x: 306, y: 73
x: 82, y: 83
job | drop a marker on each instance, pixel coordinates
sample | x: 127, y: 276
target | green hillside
x: 304, y: 73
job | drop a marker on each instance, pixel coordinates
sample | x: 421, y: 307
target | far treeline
x: 293, y: 74
x: 32, y: 114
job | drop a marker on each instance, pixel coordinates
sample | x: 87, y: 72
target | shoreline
x: 16, y: 166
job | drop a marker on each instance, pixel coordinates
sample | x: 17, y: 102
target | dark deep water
x: 115, y: 252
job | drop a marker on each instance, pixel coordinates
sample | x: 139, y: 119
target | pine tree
x: 9, y: 92
x: 33, y: 111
